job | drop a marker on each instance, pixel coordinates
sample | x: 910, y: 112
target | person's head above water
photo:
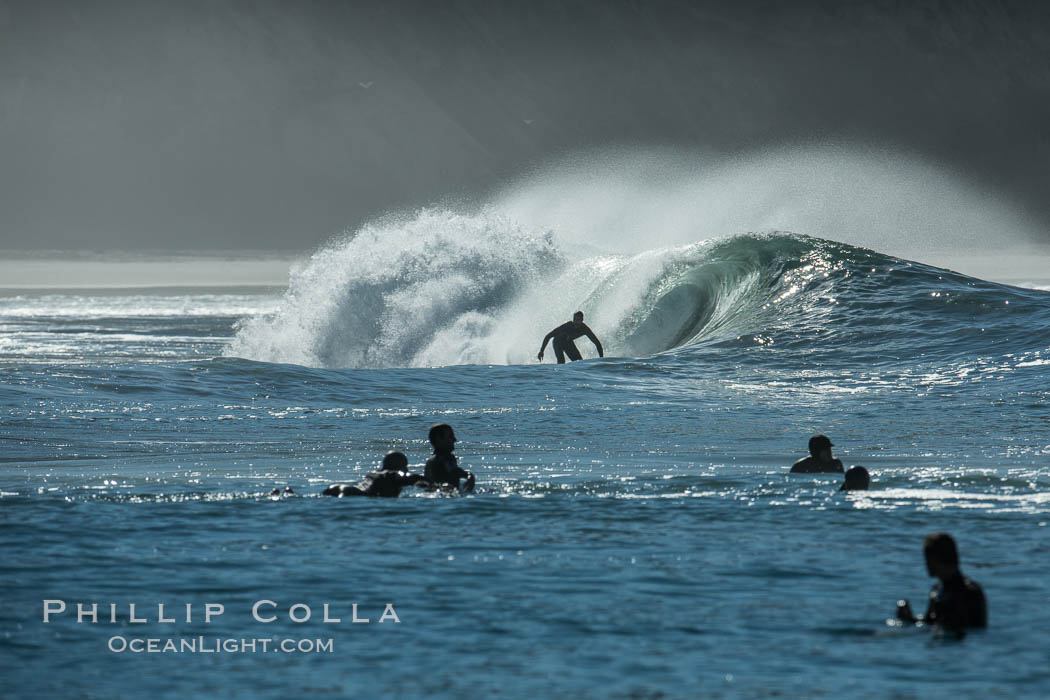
x: 395, y: 461
x: 942, y: 558
x: 857, y: 479
x: 577, y: 317
x: 817, y: 445
x: 442, y: 437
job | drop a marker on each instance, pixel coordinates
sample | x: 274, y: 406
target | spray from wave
x: 894, y: 202
x: 445, y: 288
x: 400, y: 292
x: 626, y: 242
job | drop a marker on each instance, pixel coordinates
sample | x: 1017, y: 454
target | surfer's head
x: 395, y: 461
x: 442, y: 437
x: 857, y: 479
x: 817, y: 445
x: 942, y: 558
x: 577, y: 317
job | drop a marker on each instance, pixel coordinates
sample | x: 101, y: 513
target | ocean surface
x: 635, y: 532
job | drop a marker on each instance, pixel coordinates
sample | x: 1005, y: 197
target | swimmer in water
x: 442, y: 469
x: 857, y: 479
x: 385, y: 483
x: 563, y: 336
x: 819, y: 460
x: 956, y: 602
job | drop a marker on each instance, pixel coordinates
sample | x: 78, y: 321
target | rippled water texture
x: 634, y: 533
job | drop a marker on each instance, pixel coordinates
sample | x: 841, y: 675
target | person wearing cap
x: 956, y: 602
x: 819, y: 460
x: 563, y: 336
x: 857, y: 479
x: 385, y: 483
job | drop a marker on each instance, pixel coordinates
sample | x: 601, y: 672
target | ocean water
x: 634, y: 532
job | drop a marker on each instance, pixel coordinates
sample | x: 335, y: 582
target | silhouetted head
x: 942, y: 558
x: 577, y: 317
x: 857, y: 479
x: 442, y: 437
x: 395, y: 461
x: 819, y: 443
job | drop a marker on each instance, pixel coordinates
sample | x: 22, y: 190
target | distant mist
x: 226, y: 124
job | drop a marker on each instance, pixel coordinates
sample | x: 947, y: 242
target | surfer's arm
x: 904, y: 613
x: 410, y: 479
x: 458, y: 472
x: 594, y: 339
x: 333, y: 490
x: 543, y: 346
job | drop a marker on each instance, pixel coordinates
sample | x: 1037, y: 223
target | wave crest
x: 444, y: 288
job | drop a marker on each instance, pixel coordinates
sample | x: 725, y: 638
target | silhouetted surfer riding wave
x: 563, y: 336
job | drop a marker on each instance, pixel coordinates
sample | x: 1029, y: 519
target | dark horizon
x: 215, y: 124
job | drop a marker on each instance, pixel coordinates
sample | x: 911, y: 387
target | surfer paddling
x: 956, y: 602
x: 563, y: 336
x: 385, y: 483
x: 442, y: 469
x: 819, y: 460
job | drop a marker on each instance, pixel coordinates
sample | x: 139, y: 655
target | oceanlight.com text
x: 217, y: 645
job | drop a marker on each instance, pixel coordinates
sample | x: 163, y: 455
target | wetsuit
x: 811, y: 465
x: 563, y: 336
x: 384, y: 484
x: 956, y: 604
x: 443, y: 469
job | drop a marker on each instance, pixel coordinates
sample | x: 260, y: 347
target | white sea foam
x: 621, y: 236
x: 444, y: 288
x: 438, y: 288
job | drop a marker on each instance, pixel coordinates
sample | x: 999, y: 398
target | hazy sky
x: 168, y: 124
